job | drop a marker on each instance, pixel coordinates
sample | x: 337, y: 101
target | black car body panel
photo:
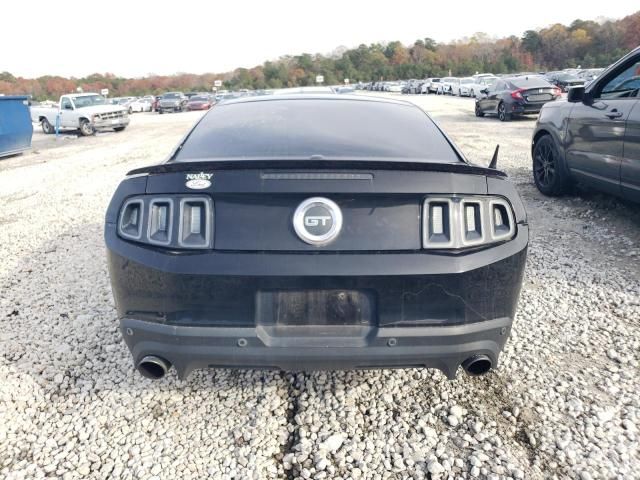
x: 596, y: 133
x: 259, y: 296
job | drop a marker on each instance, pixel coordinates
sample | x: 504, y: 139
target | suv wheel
x: 549, y: 173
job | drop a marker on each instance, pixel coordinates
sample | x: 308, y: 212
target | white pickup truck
x: 87, y: 112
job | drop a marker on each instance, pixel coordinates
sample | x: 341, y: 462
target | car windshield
x: 331, y: 129
x: 89, y: 101
x: 171, y: 95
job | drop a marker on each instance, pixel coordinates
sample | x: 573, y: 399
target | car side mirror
x: 484, y: 90
x: 576, y: 95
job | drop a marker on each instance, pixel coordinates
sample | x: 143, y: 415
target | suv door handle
x: 613, y: 114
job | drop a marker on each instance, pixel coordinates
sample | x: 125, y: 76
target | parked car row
x: 471, y: 86
x: 167, y: 102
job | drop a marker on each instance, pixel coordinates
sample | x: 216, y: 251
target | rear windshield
x: 332, y: 128
x: 529, y: 82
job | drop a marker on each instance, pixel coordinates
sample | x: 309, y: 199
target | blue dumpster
x: 15, y: 125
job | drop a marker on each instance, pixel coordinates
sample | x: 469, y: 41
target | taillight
x: 174, y: 221
x: 557, y: 92
x: 456, y: 222
x: 517, y: 94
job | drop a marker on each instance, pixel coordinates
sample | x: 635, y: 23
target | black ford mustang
x: 316, y: 232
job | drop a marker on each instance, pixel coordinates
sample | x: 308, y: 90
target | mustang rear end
x: 316, y: 232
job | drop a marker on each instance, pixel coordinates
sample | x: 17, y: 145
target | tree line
x: 582, y: 43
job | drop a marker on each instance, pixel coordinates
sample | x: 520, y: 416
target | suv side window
x: 626, y: 84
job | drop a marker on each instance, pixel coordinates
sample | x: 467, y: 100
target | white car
x: 472, y: 86
x: 431, y: 85
x: 141, y: 105
x: 88, y: 112
x: 394, y: 87
x: 450, y: 85
x: 466, y: 87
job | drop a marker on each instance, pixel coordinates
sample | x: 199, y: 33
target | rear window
x: 332, y: 128
x: 529, y: 82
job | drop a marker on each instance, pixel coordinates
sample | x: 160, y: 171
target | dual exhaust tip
x: 156, y: 367
x: 153, y: 367
x: 477, y: 365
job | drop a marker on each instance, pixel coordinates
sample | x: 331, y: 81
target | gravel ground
x: 564, y: 403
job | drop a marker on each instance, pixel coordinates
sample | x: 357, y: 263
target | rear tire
x: 502, y: 113
x: 119, y: 129
x: 86, y: 129
x: 549, y: 172
x: 479, y: 112
x: 47, y: 128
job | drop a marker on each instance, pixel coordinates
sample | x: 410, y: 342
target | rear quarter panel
x: 553, y: 120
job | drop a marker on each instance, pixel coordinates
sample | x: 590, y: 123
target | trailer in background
x: 16, y: 129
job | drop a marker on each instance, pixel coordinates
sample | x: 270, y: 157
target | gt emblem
x: 314, y: 221
x: 317, y: 221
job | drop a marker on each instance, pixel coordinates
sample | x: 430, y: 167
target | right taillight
x: 456, y: 222
x: 173, y: 221
x: 194, y: 231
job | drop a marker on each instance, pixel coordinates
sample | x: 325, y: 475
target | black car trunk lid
x: 381, y: 208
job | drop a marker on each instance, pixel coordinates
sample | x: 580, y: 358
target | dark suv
x: 594, y: 137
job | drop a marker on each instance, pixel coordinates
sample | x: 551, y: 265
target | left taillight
x: 517, y: 94
x: 130, y: 222
x: 172, y: 221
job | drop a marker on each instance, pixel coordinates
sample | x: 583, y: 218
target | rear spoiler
x: 306, y: 164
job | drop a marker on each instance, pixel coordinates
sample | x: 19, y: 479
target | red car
x: 199, y: 103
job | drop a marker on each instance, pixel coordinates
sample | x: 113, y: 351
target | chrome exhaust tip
x: 153, y: 367
x: 477, y: 365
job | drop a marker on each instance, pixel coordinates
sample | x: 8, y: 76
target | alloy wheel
x: 544, y: 165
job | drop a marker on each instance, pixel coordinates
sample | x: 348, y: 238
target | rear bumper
x: 526, y: 109
x: 190, y: 348
x: 204, y: 309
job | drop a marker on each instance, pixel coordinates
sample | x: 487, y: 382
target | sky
x: 136, y: 38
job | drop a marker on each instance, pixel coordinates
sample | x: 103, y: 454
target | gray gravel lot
x: 564, y: 403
